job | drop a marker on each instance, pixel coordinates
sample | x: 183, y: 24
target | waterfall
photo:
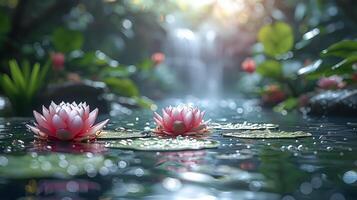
x: 195, y: 57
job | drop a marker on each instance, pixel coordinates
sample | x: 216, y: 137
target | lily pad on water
x: 163, y: 144
x: 245, y: 126
x: 48, y: 165
x: 267, y: 134
x: 122, y: 134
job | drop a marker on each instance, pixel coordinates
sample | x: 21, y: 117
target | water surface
x: 321, y: 167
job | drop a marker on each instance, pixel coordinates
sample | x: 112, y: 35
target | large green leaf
x: 341, y: 68
x: 243, y: 126
x: 125, y: 87
x: 346, y: 63
x: 267, y: 134
x: 48, y: 165
x: 163, y: 144
x: 276, y: 38
x: 271, y: 69
x: 341, y: 49
x: 65, y: 40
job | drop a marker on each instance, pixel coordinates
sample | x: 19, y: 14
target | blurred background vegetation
x: 134, y: 51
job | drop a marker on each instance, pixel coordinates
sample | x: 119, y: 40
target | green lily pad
x: 267, y: 134
x: 48, y: 165
x: 163, y: 144
x: 122, y: 134
x: 245, y: 126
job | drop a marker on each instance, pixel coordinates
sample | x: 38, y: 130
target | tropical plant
x: 23, y: 84
x: 338, y: 59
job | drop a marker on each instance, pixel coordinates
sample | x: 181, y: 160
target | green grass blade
x: 17, y: 76
x: 26, y: 70
x: 44, y: 71
x: 34, y: 80
x: 8, y: 87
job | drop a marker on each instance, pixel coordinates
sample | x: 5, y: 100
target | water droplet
x: 300, y: 147
x: 337, y: 196
x: 291, y: 148
x: 172, y: 184
x: 306, y: 188
x: 288, y: 197
x: 350, y: 177
x: 316, y: 182
x: 3, y: 161
x: 72, y: 186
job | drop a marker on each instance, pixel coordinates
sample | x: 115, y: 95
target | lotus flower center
x: 179, y: 127
x: 63, y: 134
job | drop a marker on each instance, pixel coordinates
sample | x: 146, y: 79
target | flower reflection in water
x: 180, y: 161
x: 66, y: 147
x: 48, y: 187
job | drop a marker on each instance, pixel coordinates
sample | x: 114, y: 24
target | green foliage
x: 125, y: 87
x: 23, y: 84
x: 271, y: 69
x: 276, y: 38
x: 5, y: 26
x: 65, y: 40
x: 342, y: 49
x: 345, y: 50
x: 144, y: 102
x: 117, y: 72
x: 4, y: 23
x: 287, y: 105
x: 146, y: 64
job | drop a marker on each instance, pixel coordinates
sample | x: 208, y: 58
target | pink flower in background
x: 158, y: 58
x: 180, y: 120
x: 273, y: 95
x: 332, y: 82
x: 249, y: 65
x: 58, y: 60
x: 67, y: 122
x: 303, y: 100
x: 354, y: 77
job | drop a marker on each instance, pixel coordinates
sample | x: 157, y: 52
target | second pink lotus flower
x: 180, y: 120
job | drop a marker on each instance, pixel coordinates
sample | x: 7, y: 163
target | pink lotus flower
x: 180, y: 120
x: 67, y: 122
x: 332, y: 82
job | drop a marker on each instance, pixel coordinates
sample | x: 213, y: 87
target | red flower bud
x: 248, y: 65
x: 332, y: 82
x: 158, y: 58
x: 58, y: 60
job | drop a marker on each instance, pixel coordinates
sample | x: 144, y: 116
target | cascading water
x: 196, y: 60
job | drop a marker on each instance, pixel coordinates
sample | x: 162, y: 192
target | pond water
x: 320, y: 167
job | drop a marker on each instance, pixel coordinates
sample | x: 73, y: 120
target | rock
x: 88, y: 91
x: 338, y: 102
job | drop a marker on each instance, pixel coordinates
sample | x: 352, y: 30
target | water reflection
x: 64, y: 147
x: 321, y: 167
